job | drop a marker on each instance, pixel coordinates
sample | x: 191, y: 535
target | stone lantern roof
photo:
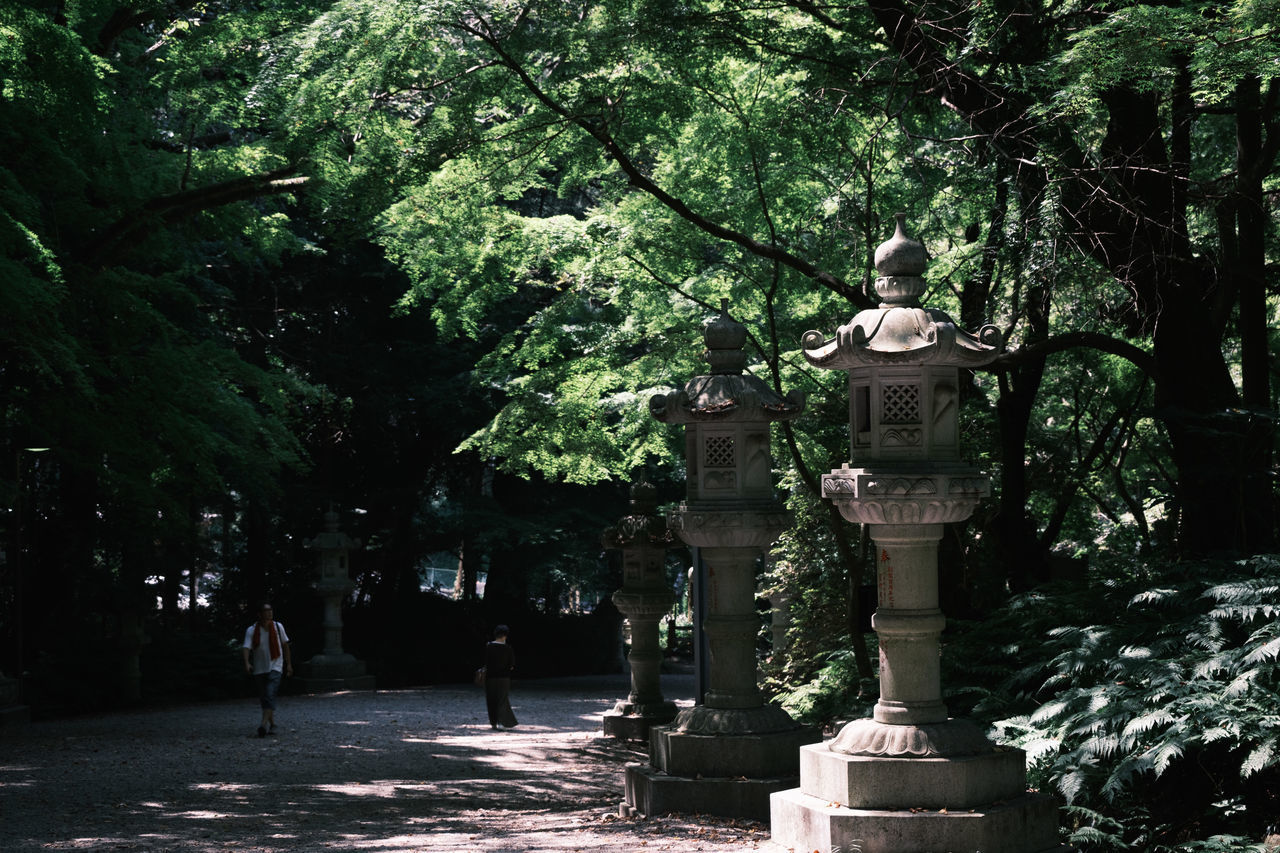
x: 726, y: 394
x: 643, y: 525
x: 900, y: 331
x: 331, y: 539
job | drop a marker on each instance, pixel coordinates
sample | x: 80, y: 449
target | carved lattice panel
x: 901, y: 404
x: 720, y: 452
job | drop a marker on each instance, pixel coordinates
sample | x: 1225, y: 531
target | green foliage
x: 1150, y: 701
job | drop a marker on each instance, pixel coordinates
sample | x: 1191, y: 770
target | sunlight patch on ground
x: 497, y: 739
x: 412, y: 842
x: 222, y: 786
x: 360, y: 789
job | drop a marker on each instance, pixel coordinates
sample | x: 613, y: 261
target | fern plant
x: 1159, y: 721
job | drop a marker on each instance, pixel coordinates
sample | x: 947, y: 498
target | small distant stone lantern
x: 645, y: 597
x: 333, y: 668
x: 726, y: 755
x: 873, y: 782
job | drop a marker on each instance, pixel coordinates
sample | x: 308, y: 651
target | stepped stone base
x: 331, y: 673
x: 969, y: 803
x: 758, y: 743
x: 724, y: 762
x: 756, y: 756
x: 1025, y: 824
x: 625, y: 723
x: 652, y: 792
x: 873, y: 782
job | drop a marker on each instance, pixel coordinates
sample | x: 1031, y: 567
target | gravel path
x: 383, y: 771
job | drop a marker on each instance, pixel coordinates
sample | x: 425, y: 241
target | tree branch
x: 1139, y: 358
x: 599, y: 131
x: 112, y: 242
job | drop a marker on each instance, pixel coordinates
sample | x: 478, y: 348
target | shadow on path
x: 375, y: 771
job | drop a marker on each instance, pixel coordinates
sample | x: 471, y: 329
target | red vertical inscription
x: 884, y: 581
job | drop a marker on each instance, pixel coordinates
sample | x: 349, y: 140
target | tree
x: 111, y: 356
x: 1111, y: 118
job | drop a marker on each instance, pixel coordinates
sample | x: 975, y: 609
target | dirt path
x: 382, y: 771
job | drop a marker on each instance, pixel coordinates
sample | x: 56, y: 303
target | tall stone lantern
x: 910, y: 778
x: 333, y: 668
x: 643, y: 538
x: 725, y: 756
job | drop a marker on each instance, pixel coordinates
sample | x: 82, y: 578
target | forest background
x: 425, y: 262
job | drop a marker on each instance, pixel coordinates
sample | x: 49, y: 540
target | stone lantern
x: 726, y: 755
x: 910, y: 778
x: 645, y: 597
x: 333, y: 668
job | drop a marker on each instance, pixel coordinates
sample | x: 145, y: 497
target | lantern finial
x: 725, y: 337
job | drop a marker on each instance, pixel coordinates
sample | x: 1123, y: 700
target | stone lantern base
x: 328, y: 673
x: 914, y: 804
x: 723, y: 762
x: 629, y: 721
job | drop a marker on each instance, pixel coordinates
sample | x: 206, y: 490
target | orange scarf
x: 273, y: 644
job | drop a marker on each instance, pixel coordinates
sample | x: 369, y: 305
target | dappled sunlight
x: 396, y: 774
x: 201, y: 815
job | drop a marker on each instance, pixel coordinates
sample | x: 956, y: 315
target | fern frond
x: 1260, y: 758
x: 1148, y: 721
x: 1216, y: 734
x: 1092, y: 835
x: 1267, y: 651
x: 1240, y: 684
x: 1163, y: 755
x: 1123, y: 774
x: 1153, y: 596
x: 1103, y: 746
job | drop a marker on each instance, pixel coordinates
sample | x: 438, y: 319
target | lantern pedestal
x: 727, y: 755
x: 644, y: 707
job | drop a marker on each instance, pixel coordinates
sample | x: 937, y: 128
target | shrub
x: 1159, y: 717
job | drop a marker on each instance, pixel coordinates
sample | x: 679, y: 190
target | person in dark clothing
x: 499, y: 661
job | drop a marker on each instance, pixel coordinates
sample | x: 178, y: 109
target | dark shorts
x: 268, y: 687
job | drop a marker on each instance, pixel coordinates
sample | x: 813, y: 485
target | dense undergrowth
x: 1147, y: 700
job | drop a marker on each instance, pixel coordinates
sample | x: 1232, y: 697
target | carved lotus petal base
x: 953, y: 738
x: 643, y: 606
x: 701, y: 720
x: 728, y: 526
x: 905, y: 494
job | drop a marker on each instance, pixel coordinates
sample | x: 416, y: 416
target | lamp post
x: 645, y: 597
x: 727, y: 754
x: 333, y: 668
x: 910, y: 778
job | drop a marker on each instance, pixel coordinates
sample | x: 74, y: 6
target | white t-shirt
x: 261, y: 656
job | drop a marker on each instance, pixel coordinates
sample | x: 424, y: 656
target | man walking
x: 267, y: 659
